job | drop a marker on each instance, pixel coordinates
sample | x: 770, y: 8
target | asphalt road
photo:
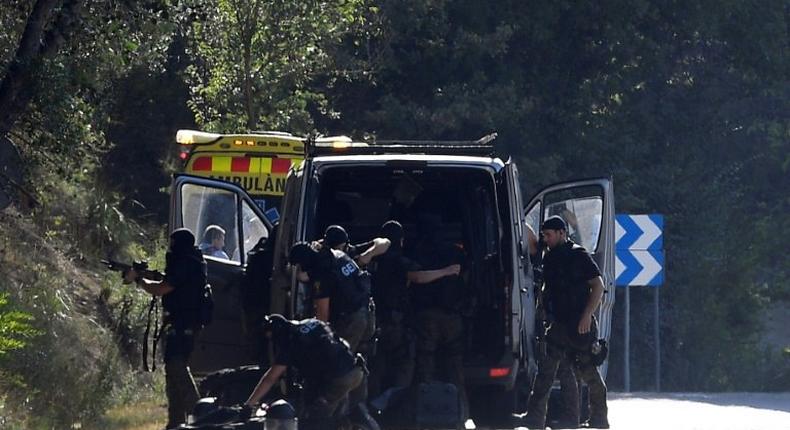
x: 699, y: 411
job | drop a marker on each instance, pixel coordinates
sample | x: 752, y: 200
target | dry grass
x: 147, y: 415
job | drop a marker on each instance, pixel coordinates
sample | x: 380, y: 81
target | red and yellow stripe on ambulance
x: 259, y: 163
x: 257, y: 175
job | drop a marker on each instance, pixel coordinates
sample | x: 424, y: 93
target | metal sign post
x: 639, y: 261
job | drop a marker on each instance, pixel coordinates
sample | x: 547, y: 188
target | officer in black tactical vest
x: 393, y: 365
x: 568, y: 416
x: 181, y: 289
x: 325, y: 363
x: 573, y: 291
x: 341, y: 291
x: 438, y: 307
x: 341, y: 295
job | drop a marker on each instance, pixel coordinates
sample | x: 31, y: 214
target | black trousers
x: 182, y: 393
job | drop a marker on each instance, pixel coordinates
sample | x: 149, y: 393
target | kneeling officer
x: 323, y: 359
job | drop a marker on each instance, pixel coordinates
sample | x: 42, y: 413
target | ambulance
x: 257, y: 162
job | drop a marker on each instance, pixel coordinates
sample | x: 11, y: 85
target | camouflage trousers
x: 393, y: 364
x: 563, y: 346
x: 326, y: 399
x: 440, y: 336
x: 358, y: 329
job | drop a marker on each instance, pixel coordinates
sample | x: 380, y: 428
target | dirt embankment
x: 73, y: 369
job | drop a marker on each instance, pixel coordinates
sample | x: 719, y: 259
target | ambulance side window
x: 252, y: 228
x: 206, y: 212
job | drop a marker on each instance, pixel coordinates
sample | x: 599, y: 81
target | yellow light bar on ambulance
x: 193, y: 137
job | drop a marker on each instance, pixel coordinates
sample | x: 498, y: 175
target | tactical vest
x: 389, y: 282
x: 318, y: 352
x: 352, y: 288
x: 566, y: 286
x: 188, y: 275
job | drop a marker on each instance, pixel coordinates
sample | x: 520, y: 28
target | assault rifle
x: 140, y: 267
x: 142, y: 271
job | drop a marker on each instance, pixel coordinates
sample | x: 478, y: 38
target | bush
x: 82, y: 317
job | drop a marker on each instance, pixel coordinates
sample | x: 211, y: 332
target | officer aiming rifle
x: 187, y: 303
x: 139, y: 267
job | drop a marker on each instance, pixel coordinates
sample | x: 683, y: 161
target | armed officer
x: 325, y: 362
x: 438, y: 306
x: 181, y: 289
x: 393, y: 365
x: 573, y: 291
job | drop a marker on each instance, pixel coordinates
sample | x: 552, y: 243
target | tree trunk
x: 39, y: 41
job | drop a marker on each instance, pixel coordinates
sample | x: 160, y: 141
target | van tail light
x: 498, y: 372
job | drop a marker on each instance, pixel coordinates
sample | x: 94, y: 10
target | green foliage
x: 254, y: 61
x: 15, y: 327
x: 78, y: 348
x: 684, y: 104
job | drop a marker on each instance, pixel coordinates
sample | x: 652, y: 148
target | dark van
x: 361, y: 185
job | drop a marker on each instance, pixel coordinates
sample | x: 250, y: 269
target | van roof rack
x: 479, y: 147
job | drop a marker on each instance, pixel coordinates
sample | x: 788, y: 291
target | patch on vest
x: 348, y: 269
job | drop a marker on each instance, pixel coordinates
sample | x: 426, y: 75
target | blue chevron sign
x: 639, y: 253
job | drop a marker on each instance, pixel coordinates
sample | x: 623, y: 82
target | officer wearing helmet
x: 183, y: 283
x: 324, y: 360
x: 394, y: 276
x: 573, y: 291
x: 340, y: 289
x: 438, y: 304
x: 341, y: 295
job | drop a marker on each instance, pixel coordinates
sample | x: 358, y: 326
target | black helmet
x: 335, y: 235
x: 303, y: 254
x: 181, y: 240
x: 392, y: 230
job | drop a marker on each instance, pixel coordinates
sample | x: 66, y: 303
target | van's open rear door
x: 523, y: 302
x: 587, y: 206
x: 197, y: 203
